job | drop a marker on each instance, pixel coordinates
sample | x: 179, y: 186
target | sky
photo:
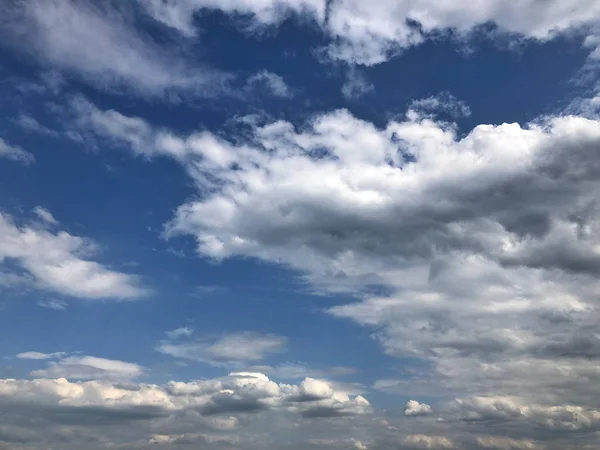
x: 299, y: 224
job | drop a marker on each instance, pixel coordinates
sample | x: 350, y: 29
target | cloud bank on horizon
x: 300, y: 224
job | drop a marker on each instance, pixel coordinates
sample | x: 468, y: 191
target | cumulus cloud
x: 295, y: 371
x: 227, y: 349
x: 59, y: 262
x: 236, y: 393
x: 389, y: 26
x: 486, y: 243
x: 228, y: 412
x: 414, y: 408
x: 15, y: 153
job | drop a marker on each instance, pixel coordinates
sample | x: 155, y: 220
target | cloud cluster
x: 227, y: 412
x: 59, y: 261
x: 236, y: 393
x: 106, y: 44
x: 487, y: 245
x: 370, y: 33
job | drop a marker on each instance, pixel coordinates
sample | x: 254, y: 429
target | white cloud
x: 180, y: 332
x: 227, y: 349
x: 414, y: 408
x: 356, y: 85
x: 15, y: 153
x: 234, y: 394
x: 58, y: 262
x: 100, y: 44
x: 488, y: 244
x: 272, y: 82
x: 506, y: 443
x: 38, y: 355
x: 294, y: 371
x: 89, y: 368
x: 45, y: 215
x: 552, y: 417
x: 421, y: 441
x: 369, y: 33
x: 58, y: 305
x: 445, y: 103
x: 179, y: 15
x: 29, y: 123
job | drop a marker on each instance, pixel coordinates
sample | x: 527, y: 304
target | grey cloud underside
x: 487, y: 245
x: 136, y: 414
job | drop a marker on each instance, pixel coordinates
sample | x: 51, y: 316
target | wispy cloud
x: 15, y: 153
x: 101, y: 45
x: 226, y: 349
x: 59, y: 262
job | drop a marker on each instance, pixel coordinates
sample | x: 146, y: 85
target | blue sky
x: 299, y: 224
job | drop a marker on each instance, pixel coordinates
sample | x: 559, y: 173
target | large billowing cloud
x: 487, y: 246
x: 60, y: 262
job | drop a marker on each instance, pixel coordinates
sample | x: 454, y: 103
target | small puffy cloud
x: 271, y: 81
x: 45, y: 215
x: 414, y: 408
x: 38, y: 355
x: 421, y: 441
x: 60, y: 262
x: 89, y: 368
x: 15, y: 153
x: 227, y: 349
